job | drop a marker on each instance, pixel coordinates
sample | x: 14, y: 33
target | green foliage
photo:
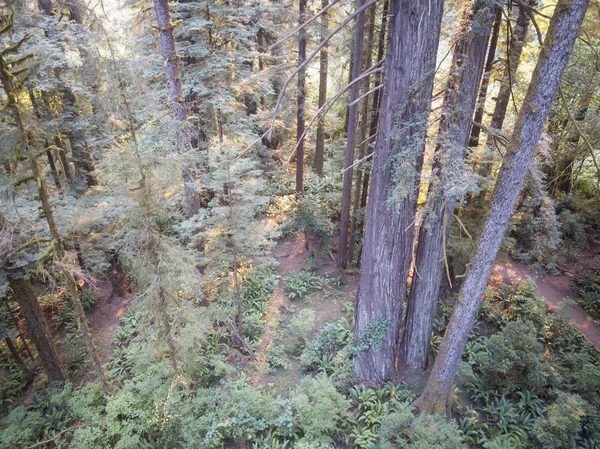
x: 572, y: 228
x: 561, y: 422
x: 300, y: 284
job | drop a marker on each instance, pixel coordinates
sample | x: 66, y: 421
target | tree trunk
x: 554, y: 56
x: 485, y: 82
x: 323, y: 64
x: 517, y: 41
x: 38, y: 329
x: 177, y: 101
x: 447, y: 172
x: 351, y: 139
x: 17, y: 357
x: 377, y: 95
x: 387, y: 246
x: 300, y: 113
x: 356, y: 220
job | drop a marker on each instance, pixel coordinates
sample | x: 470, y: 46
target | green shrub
x: 561, y: 423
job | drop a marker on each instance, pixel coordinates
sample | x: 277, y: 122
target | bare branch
x: 312, y: 19
x: 312, y: 55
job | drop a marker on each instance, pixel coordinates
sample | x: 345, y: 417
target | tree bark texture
x: 447, y: 175
x: 38, y: 328
x: 553, y: 59
x: 387, y: 245
x: 323, y: 66
x: 300, y: 112
x: 351, y: 138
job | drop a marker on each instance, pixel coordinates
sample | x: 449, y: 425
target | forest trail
x: 554, y: 288
x: 104, y: 319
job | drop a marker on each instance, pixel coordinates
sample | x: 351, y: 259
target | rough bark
x: 38, y: 329
x: 485, y: 82
x: 553, y: 58
x: 323, y: 66
x: 351, y: 138
x: 448, y: 170
x: 177, y: 100
x: 300, y: 112
x: 387, y: 246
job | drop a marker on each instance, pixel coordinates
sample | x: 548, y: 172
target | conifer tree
x: 388, y: 239
x: 552, y: 61
x: 323, y: 65
x: 447, y: 184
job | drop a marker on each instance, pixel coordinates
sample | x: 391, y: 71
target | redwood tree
x: 387, y: 246
x: 552, y: 61
x: 445, y: 187
x: 300, y: 113
x: 323, y: 66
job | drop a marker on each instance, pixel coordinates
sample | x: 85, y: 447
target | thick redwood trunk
x: 300, y: 112
x: 323, y: 66
x: 387, y: 245
x: 351, y: 138
x: 545, y: 82
x: 37, y: 327
x: 447, y: 175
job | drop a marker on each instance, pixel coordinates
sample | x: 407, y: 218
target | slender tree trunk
x: 177, y: 101
x: 553, y: 59
x: 38, y: 329
x: 17, y: 357
x: 485, y: 82
x: 387, y: 246
x: 517, y: 41
x: 356, y: 220
x: 301, y: 100
x: 323, y: 63
x: 448, y: 170
x: 351, y: 139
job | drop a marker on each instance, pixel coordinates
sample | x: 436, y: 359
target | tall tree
x: 518, y: 34
x: 37, y: 327
x: 447, y: 180
x: 176, y: 99
x: 323, y: 66
x: 351, y: 137
x: 552, y: 61
x: 387, y: 246
x: 300, y: 112
x: 485, y: 82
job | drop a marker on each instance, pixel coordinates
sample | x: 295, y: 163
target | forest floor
x: 555, y: 288
x: 293, y: 255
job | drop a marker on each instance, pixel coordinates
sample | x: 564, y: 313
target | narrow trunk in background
x: 300, y: 112
x: 176, y: 100
x: 447, y: 174
x: 323, y: 65
x: 351, y: 138
x: 485, y: 82
x: 517, y: 41
x: 387, y: 246
x: 356, y: 220
x: 552, y: 61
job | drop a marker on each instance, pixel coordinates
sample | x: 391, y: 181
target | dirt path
x: 554, y: 288
x: 104, y: 319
